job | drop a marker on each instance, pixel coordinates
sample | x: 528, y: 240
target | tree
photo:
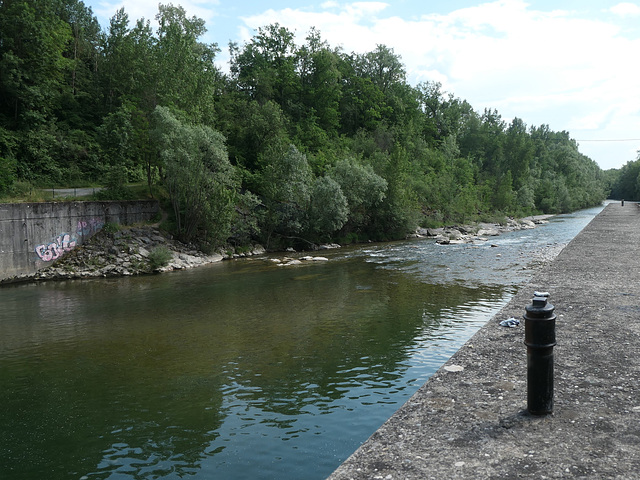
x: 8, y: 164
x: 83, y: 54
x: 504, y: 195
x: 286, y: 192
x: 320, y: 79
x: 187, y: 73
x: 626, y: 185
x: 199, y: 178
x: 363, y: 189
x: 33, y: 39
x: 329, y: 209
x: 265, y: 67
x: 382, y: 66
x: 518, y: 152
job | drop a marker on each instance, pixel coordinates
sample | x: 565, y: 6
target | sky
x: 573, y: 65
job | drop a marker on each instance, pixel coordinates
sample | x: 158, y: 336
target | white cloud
x: 626, y: 9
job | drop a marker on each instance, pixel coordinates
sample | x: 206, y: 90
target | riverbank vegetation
x: 293, y: 143
x: 625, y: 182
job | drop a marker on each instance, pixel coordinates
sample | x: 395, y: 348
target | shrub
x: 160, y: 257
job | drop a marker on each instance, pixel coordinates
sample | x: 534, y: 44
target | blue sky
x: 570, y: 64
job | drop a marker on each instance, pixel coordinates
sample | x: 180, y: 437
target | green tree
x: 77, y: 107
x: 363, y: 189
x: 285, y: 188
x: 504, y: 197
x: 518, y: 152
x: 187, y: 73
x: 626, y: 184
x: 199, y: 178
x: 8, y: 164
x: 33, y: 39
x: 320, y: 79
x: 329, y: 209
x: 264, y: 68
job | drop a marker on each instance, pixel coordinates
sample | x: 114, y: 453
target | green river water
x: 242, y: 369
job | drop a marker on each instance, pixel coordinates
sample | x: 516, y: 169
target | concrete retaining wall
x: 32, y: 235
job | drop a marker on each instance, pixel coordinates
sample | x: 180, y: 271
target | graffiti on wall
x: 86, y: 228
x: 56, y: 248
x: 64, y: 242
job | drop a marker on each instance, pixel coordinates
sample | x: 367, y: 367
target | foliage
x: 159, y: 257
x: 110, y: 227
x: 286, y: 192
x: 297, y: 143
x: 626, y: 184
x: 198, y: 177
x: 329, y: 207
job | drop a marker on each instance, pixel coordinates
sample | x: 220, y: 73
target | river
x: 242, y: 369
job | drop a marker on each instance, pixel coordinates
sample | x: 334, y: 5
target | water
x: 241, y: 369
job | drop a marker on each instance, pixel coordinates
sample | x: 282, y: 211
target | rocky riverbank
x: 145, y: 249
x: 125, y: 252
x: 480, y: 231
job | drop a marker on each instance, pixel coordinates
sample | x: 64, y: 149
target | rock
x: 290, y: 261
x: 454, y: 234
x: 527, y: 224
x: 328, y: 246
x: 453, y: 368
x: 489, y: 232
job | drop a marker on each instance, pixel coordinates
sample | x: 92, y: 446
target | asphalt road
x: 71, y: 192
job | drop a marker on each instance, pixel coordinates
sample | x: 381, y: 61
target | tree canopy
x: 296, y: 143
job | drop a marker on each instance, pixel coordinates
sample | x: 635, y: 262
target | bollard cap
x: 540, y: 308
x: 539, y: 302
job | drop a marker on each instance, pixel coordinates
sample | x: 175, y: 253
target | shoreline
x: 127, y: 251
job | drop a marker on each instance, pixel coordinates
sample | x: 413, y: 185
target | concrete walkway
x: 473, y: 424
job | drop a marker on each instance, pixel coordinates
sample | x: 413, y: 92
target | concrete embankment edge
x: 473, y: 423
x: 32, y: 235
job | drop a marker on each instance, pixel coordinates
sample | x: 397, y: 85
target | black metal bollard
x: 622, y: 202
x: 540, y: 338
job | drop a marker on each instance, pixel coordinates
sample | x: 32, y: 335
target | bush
x: 110, y: 227
x: 160, y: 257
